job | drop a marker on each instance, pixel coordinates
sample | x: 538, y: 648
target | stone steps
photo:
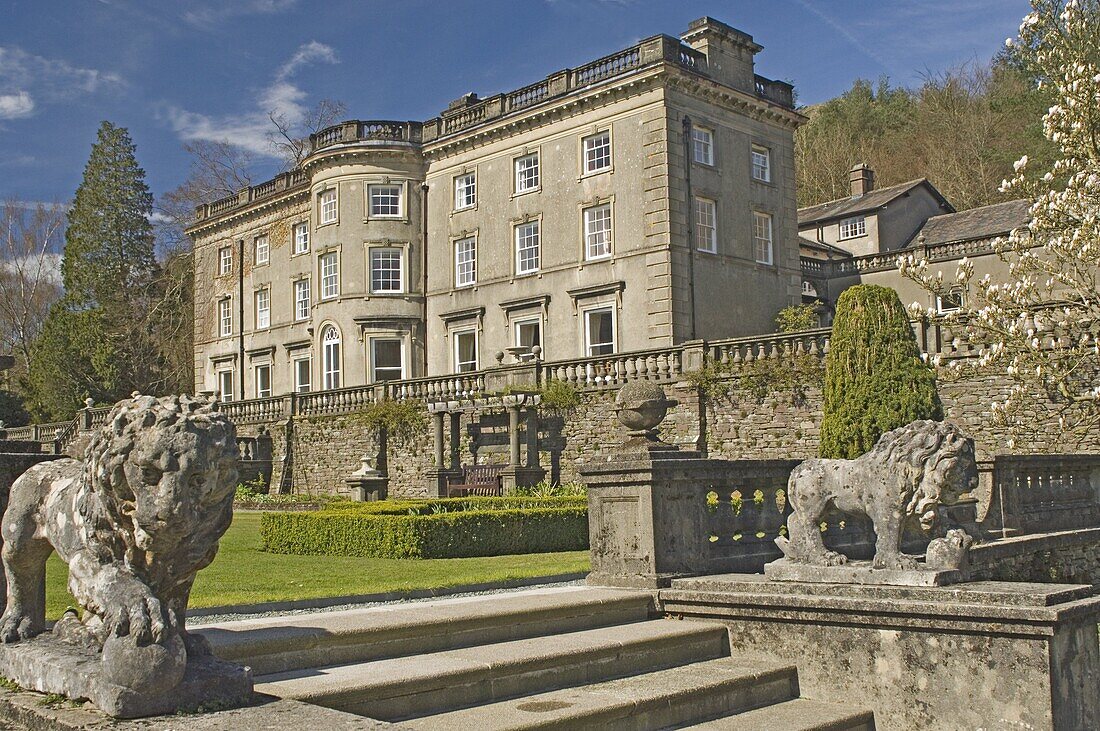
x: 298, y: 641
x: 419, y: 685
x: 799, y: 714
x: 660, y: 699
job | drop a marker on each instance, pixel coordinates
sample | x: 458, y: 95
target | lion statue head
x: 935, y: 464
x: 161, y: 470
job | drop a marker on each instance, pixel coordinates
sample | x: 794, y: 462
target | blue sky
x: 173, y: 70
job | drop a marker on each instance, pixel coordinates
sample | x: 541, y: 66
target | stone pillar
x: 437, y: 419
x: 440, y: 475
x: 456, y: 440
x: 520, y: 472
x: 532, y: 429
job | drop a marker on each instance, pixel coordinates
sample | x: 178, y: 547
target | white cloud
x: 282, y: 98
x: 221, y: 11
x: 14, y: 106
x: 27, y: 79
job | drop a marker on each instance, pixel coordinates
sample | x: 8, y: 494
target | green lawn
x: 243, y: 574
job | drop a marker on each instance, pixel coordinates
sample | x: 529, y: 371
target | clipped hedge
x: 458, y: 534
x: 457, y: 504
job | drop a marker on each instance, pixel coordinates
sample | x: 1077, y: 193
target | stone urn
x: 640, y: 407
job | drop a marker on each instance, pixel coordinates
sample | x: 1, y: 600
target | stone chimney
x: 862, y: 179
x: 729, y: 52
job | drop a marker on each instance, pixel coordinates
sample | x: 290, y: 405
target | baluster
x: 675, y: 364
x: 662, y: 365
x: 631, y: 369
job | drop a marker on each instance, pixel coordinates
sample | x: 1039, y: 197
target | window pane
x: 703, y: 145
x: 263, y: 309
x: 706, y: 225
x: 302, y: 375
x: 225, y: 318
x: 225, y: 260
x: 225, y: 385
x: 330, y: 279
x: 528, y: 333
x: 597, y: 152
x: 762, y: 237
x: 263, y: 381
x: 387, y: 359
x: 301, y: 299
x: 527, y: 173
x: 527, y: 247
x: 465, y: 262
x: 761, y: 164
x: 465, y: 351
x: 600, y: 332
x: 301, y: 238
x: 385, y: 270
x: 852, y: 227
x: 331, y: 354
x: 385, y: 200
x: 597, y: 232
x: 465, y: 191
x: 263, y: 250
x: 328, y: 206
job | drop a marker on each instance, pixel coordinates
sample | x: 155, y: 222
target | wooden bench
x: 480, y: 480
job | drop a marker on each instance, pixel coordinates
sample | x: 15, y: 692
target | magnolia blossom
x: 1040, y: 325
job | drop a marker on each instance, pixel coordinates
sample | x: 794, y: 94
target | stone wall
x: 743, y: 423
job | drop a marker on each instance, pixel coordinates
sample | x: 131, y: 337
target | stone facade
x: 405, y: 236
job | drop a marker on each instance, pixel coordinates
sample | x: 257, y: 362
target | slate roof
x: 976, y: 223
x: 807, y: 242
x: 877, y: 198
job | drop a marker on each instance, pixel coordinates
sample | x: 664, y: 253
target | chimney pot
x: 862, y: 179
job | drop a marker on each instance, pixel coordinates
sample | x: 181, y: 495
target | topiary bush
x: 875, y: 379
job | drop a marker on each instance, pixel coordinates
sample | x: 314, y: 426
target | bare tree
x: 291, y: 141
x: 30, y: 280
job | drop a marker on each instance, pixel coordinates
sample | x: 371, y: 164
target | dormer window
x: 850, y: 228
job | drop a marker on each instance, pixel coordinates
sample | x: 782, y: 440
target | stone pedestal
x: 49, y: 664
x: 514, y: 476
x: 976, y: 655
x: 437, y: 480
x: 367, y: 484
x: 860, y: 572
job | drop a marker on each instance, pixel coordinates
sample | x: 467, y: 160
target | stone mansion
x: 638, y: 201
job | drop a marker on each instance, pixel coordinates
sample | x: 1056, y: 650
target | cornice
x: 735, y: 100
x: 230, y: 219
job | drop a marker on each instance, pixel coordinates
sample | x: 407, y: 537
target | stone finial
x: 499, y: 355
x: 641, y: 407
x: 89, y: 403
x: 536, y: 350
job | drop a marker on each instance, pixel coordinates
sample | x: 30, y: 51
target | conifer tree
x: 96, y: 340
x: 875, y: 379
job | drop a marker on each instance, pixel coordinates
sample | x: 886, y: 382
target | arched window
x: 330, y: 348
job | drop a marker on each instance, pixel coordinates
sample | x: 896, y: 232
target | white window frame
x: 465, y: 194
x: 225, y: 317
x: 329, y: 292
x: 586, y: 313
x: 263, y: 308
x: 263, y: 392
x: 225, y: 260
x: 461, y: 261
x: 301, y: 386
x: 761, y: 164
x: 763, y: 238
x: 594, y: 247
x: 852, y: 228
x: 331, y: 368
x: 954, y: 292
x: 328, y: 206
x: 302, y: 305
x: 374, y: 360
x: 261, y: 250
x: 381, y: 251
x: 520, y: 322
x: 456, y: 363
x: 300, y: 232
x: 705, y: 211
x: 702, y: 145
x: 523, y: 179
x: 592, y: 148
x: 522, y: 245
x: 387, y: 199
x: 225, y: 378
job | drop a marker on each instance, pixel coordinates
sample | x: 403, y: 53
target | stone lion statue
x: 909, y: 474
x: 135, y: 521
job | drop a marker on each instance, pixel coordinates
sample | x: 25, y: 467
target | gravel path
x: 218, y: 618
